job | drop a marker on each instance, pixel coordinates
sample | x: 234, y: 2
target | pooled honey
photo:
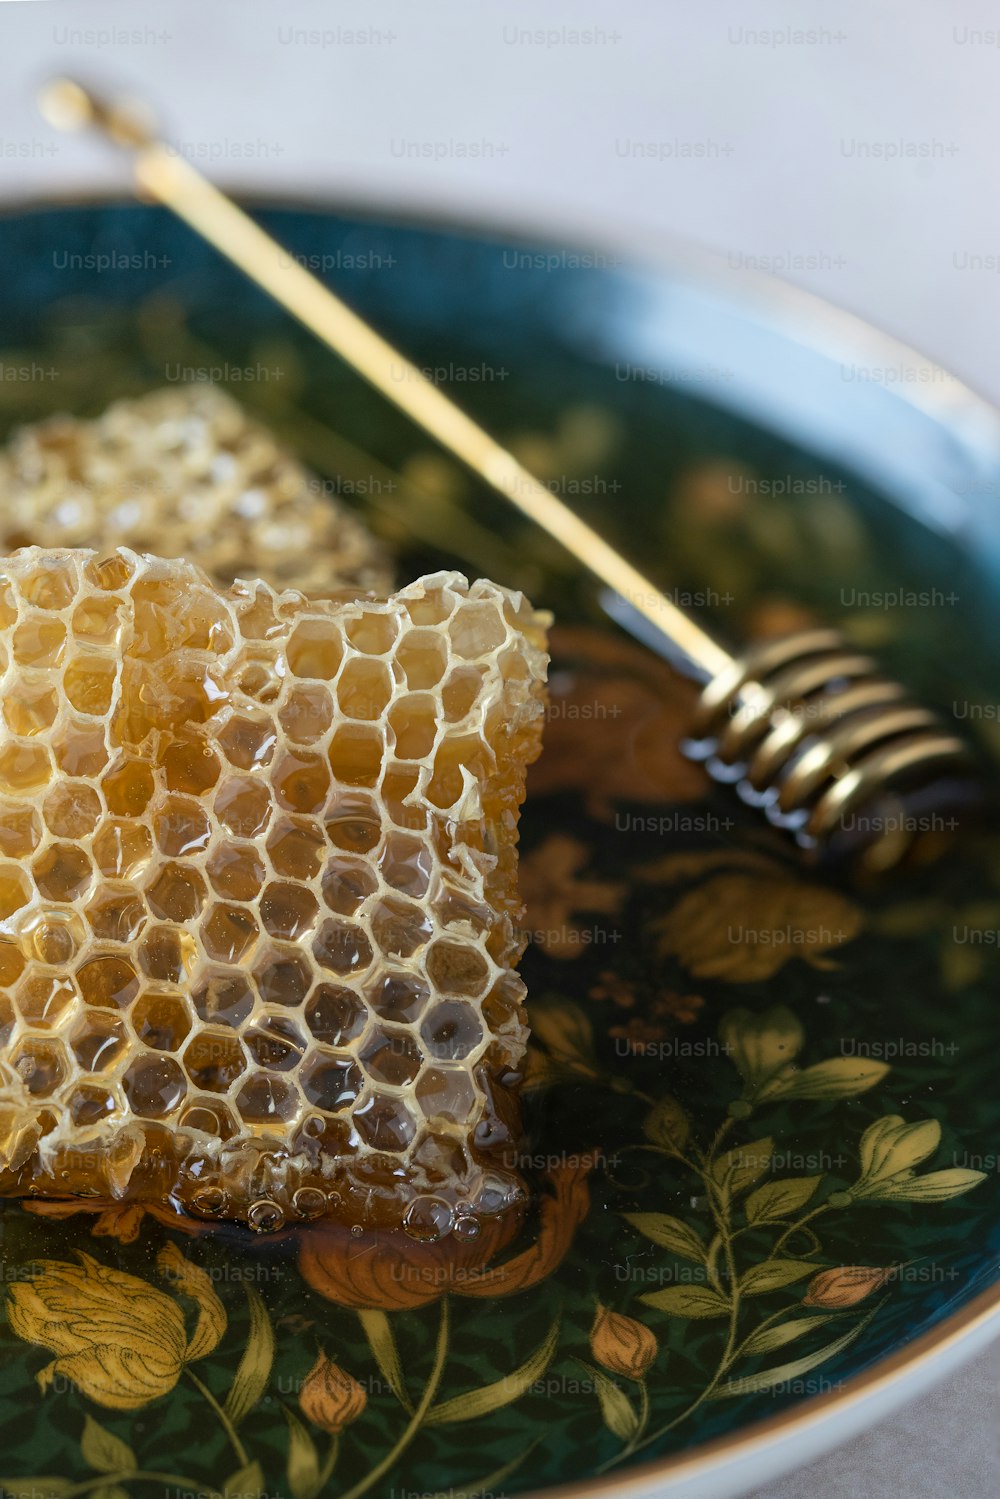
x: 257, y: 891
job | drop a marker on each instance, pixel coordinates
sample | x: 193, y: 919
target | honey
x: 257, y: 891
x: 182, y: 472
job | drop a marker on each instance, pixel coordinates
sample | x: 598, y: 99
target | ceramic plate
x: 762, y: 1105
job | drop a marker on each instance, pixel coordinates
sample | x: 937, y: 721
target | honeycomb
x: 257, y: 891
x: 183, y: 472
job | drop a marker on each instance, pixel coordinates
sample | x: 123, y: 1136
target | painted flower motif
x: 845, y: 1286
x: 554, y: 891
x: 117, y: 1220
x: 330, y: 1397
x: 381, y: 1271
x: 742, y: 928
x: 621, y: 1344
x: 763, y: 1049
x: 121, y: 1341
x: 890, y: 1151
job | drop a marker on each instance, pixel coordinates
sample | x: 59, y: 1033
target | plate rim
x: 761, y: 293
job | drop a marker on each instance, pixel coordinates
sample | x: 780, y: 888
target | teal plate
x: 762, y: 1106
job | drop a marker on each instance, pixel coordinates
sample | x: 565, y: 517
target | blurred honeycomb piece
x: 180, y: 472
x: 258, y: 890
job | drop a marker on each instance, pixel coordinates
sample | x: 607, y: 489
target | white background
x: 864, y: 156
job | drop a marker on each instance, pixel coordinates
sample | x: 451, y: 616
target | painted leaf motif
x: 303, y: 1459
x: 934, y: 1186
x: 779, y: 1199
x: 890, y: 1145
x: 667, y: 1125
x: 767, y: 1339
x: 761, y: 1045
x: 192, y: 1281
x: 840, y: 1077
x: 754, y: 1384
x: 669, y: 1233
x: 742, y: 928
x: 378, y: 1331
x: 616, y: 1409
x: 740, y: 1167
x: 254, y: 1370
x: 772, y: 1275
x: 688, y: 1301
x: 103, y: 1451
x: 565, y: 1029
x: 245, y: 1484
x: 501, y: 1392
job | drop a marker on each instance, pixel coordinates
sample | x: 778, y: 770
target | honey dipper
x: 804, y: 727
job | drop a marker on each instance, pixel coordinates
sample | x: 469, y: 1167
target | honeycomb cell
x: 460, y: 693
x: 63, y: 872
x: 177, y: 893
x: 476, y: 630
x: 347, y: 884
x: 248, y: 743
x: 391, y: 1057
x: 154, y: 1086
x: 398, y: 996
x: 213, y: 1060
x: 223, y: 999
x: 230, y: 933
x: 236, y: 870
x: 446, y: 1093
x: 400, y: 928
x: 72, y: 811
x: 98, y: 1040
x: 209, y: 1117
x: 15, y: 890
x: 128, y: 788
x: 109, y: 573
x: 331, y: 1082
x: 364, y: 689
x: 288, y: 911
x: 456, y: 968
x: 296, y: 848
x: 89, y: 684
x: 167, y: 954
x: 283, y: 976
x: 11, y: 962
x: 353, y: 823
x: 161, y: 1021
x: 190, y: 766
x: 24, y: 769
x: 315, y: 650
x: 182, y: 828
x: 53, y: 936
x: 385, y: 1124
x: 98, y: 621
x: 116, y: 913
x: 244, y: 808
x: 43, y: 999
x: 335, y: 1015
x: 8, y: 1019
x: 301, y: 782
x: 30, y: 709
x: 406, y: 864
x: 342, y: 948
x: 41, y: 1064
x: 108, y: 981
x: 356, y: 754
x: 90, y: 1104
x: 52, y: 585
x: 39, y: 641
x: 414, y: 725
x: 81, y: 748
x: 276, y: 1044
x: 423, y: 656
x: 20, y: 830
x: 307, y: 713
x: 122, y: 849
x: 267, y: 1099
x: 451, y: 1031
